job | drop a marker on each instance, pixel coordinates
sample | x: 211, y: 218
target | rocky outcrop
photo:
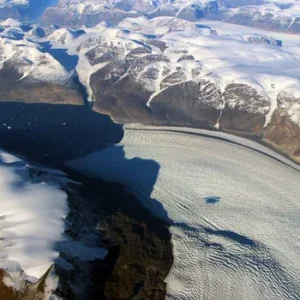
x: 81, y: 13
x: 64, y: 17
x: 240, y: 109
x: 257, y: 19
x: 197, y: 11
x: 138, y: 243
x: 139, y: 250
x: 283, y: 132
x: 9, y: 12
x: 34, y: 91
x: 134, y: 83
x: 25, y: 289
x: 284, y: 136
x: 144, y: 260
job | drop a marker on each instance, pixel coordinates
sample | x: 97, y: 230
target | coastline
x: 241, y: 140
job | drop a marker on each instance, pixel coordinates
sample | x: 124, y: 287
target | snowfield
x: 32, y: 218
x: 235, y: 211
x: 33, y: 223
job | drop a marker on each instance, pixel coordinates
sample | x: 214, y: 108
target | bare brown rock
x: 42, y: 93
x: 34, y: 91
x: 26, y: 290
x: 283, y: 135
x: 144, y: 260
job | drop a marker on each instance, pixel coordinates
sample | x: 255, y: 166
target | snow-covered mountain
x: 169, y: 71
x: 158, y: 62
x: 164, y: 70
x: 91, y: 12
x: 274, y: 15
x: 27, y: 65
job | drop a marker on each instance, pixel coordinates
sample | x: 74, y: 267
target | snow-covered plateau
x: 233, y: 205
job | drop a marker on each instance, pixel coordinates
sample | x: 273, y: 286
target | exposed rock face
x: 139, y: 249
x: 123, y: 95
x: 195, y: 12
x: 284, y: 136
x: 69, y: 19
x: 30, y: 75
x: 90, y: 13
x: 9, y: 12
x: 258, y: 20
x: 34, y: 91
x: 265, y: 14
x: 245, y: 109
x: 283, y: 132
x: 139, y: 245
x: 136, y: 83
x: 295, y: 26
x: 276, y: 16
x: 26, y: 290
x: 138, y: 276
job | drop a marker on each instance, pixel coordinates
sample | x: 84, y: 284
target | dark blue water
x: 55, y: 133
x: 203, y: 26
x: 212, y: 199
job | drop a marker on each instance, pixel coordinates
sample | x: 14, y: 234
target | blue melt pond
x: 212, y: 200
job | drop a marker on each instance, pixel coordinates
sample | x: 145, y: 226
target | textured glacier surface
x: 235, y: 211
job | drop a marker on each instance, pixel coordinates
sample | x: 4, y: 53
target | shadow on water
x: 52, y: 134
x: 138, y: 175
x: 61, y: 55
x: 140, y: 250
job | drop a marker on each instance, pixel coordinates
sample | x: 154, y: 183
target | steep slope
x: 28, y: 73
x: 61, y: 239
x: 174, y: 73
x: 91, y: 12
x: 23, y: 9
x: 163, y: 70
x: 270, y: 15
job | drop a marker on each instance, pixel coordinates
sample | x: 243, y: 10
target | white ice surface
x: 235, y: 211
x: 31, y: 221
x: 223, y: 28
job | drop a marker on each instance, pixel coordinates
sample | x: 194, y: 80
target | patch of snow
x: 32, y: 219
